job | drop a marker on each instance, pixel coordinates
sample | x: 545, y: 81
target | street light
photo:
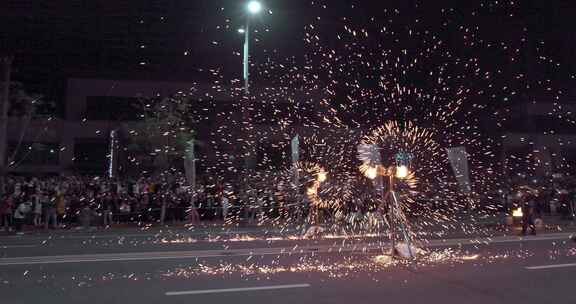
x: 254, y: 7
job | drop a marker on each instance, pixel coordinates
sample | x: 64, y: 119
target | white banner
x: 189, y: 163
x: 459, y: 161
x: 295, y: 143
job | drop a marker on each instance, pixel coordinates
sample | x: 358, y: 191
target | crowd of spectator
x: 555, y: 195
x: 81, y: 202
x: 58, y: 202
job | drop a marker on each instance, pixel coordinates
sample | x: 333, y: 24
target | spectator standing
x: 193, y: 216
x: 528, y: 214
x: 20, y: 217
x: 37, y: 205
x: 6, y: 209
x: 50, y: 214
x: 108, y: 209
x: 61, y: 207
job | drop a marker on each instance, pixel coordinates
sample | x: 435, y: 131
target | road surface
x: 252, y: 267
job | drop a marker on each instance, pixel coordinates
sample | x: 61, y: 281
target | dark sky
x: 174, y: 39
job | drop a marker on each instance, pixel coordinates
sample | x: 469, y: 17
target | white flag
x: 459, y: 161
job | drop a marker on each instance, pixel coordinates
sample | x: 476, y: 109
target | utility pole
x: 7, y: 74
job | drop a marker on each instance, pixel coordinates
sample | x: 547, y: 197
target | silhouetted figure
x: 528, y: 214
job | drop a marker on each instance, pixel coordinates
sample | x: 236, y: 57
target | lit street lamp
x: 254, y: 7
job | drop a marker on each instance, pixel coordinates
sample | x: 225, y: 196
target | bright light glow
x: 371, y: 172
x: 241, y: 31
x: 470, y: 257
x: 254, y: 7
x: 311, y: 191
x: 517, y: 212
x: 401, y: 172
x: 322, y: 176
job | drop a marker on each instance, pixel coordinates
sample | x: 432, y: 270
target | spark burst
x: 432, y: 92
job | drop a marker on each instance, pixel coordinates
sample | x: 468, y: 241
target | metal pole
x: 7, y: 65
x: 193, y: 179
x: 246, y: 104
x: 192, y: 155
x: 396, y: 208
x: 403, y: 227
x: 386, y: 200
x: 112, y: 160
x: 247, y: 57
x: 572, y: 211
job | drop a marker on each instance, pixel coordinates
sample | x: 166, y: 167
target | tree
x: 6, y: 77
x: 22, y: 106
x: 160, y: 139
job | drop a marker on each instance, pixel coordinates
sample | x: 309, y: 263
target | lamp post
x: 253, y: 7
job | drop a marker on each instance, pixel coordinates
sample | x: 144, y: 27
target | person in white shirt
x: 20, y: 216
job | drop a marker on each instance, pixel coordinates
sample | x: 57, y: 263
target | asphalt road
x: 247, y: 266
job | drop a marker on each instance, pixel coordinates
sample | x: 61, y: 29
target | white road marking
x: 226, y: 290
x: 551, y: 266
x: 175, y: 255
x: 16, y: 246
x: 98, y: 234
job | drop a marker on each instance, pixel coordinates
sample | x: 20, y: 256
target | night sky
x: 181, y: 40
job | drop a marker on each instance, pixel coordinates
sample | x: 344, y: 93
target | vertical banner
x: 113, y: 155
x: 295, y: 145
x: 190, y: 171
x: 190, y: 164
x: 459, y: 161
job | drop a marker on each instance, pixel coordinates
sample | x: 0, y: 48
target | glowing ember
x: 402, y: 172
